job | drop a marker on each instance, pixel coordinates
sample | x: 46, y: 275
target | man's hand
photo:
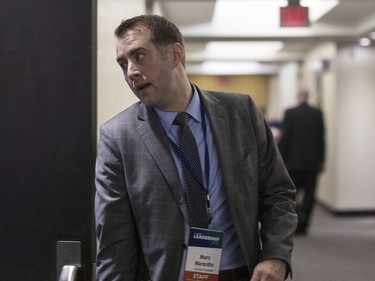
x: 269, y: 270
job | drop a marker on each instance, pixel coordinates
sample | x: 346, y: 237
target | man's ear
x: 178, y: 54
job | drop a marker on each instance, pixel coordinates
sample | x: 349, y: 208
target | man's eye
x: 123, y: 65
x: 139, y: 57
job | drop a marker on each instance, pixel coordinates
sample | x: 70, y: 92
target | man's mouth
x: 143, y: 86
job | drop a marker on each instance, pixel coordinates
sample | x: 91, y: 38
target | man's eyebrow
x: 120, y: 60
x: 131, y: 53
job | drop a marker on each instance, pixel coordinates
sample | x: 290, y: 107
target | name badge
x: 203, y: 255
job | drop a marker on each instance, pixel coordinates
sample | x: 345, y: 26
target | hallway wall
x: 320, y: 77
x: 254, y: 85
x: 113, y: 93
x: 355, y: 145
x: 288, y: 86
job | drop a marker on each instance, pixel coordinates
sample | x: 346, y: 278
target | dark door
x: 47, y: 135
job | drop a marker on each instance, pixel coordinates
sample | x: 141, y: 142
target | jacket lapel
x: 220, y: 126
x: 153, y: 136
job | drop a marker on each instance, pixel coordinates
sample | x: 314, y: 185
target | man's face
x: 147, y: 69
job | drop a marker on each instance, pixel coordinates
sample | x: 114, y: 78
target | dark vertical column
x: 47, y: 134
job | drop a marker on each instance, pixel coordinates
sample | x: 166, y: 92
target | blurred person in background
x: 302, y: 147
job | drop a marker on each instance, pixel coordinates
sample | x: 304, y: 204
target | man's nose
x: 133, y: 71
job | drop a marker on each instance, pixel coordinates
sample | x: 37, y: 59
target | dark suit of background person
x: 141, y: 213
x: 302, y: 146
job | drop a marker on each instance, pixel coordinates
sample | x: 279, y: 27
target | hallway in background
x: 336, y: 248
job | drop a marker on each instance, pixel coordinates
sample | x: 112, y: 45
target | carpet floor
x: 335, y: 249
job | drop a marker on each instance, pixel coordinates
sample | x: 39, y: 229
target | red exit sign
x: 294, y: 16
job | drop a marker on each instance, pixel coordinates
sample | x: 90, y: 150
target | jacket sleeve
x: 277, y: 215
x: 117, y: 254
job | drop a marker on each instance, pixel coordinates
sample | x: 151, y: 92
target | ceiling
x: 250, y: 21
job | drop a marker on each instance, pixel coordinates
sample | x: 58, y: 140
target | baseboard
x: 347, y: 213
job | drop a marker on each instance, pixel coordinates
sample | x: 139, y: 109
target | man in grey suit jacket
x: 141, y: 213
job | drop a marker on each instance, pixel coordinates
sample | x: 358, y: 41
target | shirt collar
x: 167, y: 117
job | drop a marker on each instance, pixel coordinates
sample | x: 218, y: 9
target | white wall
x: 113, y: 93
x: 327, y: 180
x: 314, y: 67
x: 345, y: 91
x: 355, y: 145
x: 288, y: 86
x: 320, y: 80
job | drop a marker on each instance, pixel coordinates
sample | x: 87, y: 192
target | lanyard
x: 206, y: 158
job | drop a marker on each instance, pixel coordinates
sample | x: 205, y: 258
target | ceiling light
x: 240, y: 13
x: 217, y: 48
x: 229, y: 67
x: 365, y: 42
x: 235, y: 68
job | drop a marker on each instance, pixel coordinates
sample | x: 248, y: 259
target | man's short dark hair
x: 163, y: 31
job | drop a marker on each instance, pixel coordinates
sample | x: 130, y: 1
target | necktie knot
x: 182, y: 119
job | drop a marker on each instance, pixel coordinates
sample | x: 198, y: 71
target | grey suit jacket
x: 141, y: 215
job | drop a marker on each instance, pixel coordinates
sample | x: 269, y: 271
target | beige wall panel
x: 254, y: 85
